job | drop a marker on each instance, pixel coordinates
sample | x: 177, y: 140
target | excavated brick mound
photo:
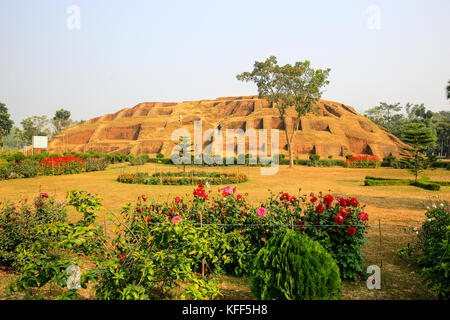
x: 333, y: 129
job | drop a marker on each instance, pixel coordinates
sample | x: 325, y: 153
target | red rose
x: 239, y: 197
x: 354, y: 202
x: 339, y: 219
x: 139, y: 210
x: 363, y: 216
x: 292, y: 200
x: 43, y: 195
x: 320, y: 208
x: 313, y: 199
x: 284, y: 197
x: 351, y: 231
x: 343, y: 213
x: 328, y: 199
x: 177, y: 199
x: 342, y: 202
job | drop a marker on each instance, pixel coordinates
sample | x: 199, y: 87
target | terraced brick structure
x: 333, y: 129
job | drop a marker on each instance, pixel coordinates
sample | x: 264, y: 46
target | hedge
x: 424, y: 182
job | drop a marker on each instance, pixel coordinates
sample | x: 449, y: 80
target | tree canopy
x: 297, y: 86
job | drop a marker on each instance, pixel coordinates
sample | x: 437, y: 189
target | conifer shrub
x: 292, y: 266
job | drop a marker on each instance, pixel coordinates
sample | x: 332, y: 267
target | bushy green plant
x: 139, y: 160
x: 314, y: 157
x: 4, y: 172
x: 292, y: 266
x: 339, y: 224
x: 159, y: 156
x: 96, y: 164
x: 27, y: 168
x: 19, y: 223
x: 431, y: 249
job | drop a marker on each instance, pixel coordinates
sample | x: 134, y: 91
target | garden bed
x: 182, y: 178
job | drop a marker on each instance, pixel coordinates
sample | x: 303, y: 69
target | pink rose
x: 261, y: 212
x: 228, y: 190
x: 176, y: 219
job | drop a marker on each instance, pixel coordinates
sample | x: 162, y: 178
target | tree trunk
x: 291, y: 158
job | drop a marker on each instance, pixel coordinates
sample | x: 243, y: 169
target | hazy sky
x: 132, y: 51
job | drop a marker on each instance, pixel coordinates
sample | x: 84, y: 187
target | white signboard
x: 40, y: 142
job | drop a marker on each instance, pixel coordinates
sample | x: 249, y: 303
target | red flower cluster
x: 199, y: 192
x: 348, y: 202
x: 363, y: 158
x: 61, y: 165
x: 363, y: 216
x: 320, y: 208
x: 286, y: 197
x: 328, y: 199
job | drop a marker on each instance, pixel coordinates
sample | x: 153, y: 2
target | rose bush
x: 340, y: 225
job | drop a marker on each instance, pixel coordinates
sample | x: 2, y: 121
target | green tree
x: 5, y: 123
x: 297, y: 86
x: 387, y: 116
x: 448, y: 90
x: 61, y: 121
x: 418, y: 137
x: 443, y: 138
x: 35, y: 126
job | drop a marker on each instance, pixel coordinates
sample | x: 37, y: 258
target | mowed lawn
x: 397, y: 209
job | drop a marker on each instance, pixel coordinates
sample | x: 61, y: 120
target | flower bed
x: 362, y: 161
x: 159, y: 249
x: 61, y: 165
x: 29, y: 167
x: 175, y: 178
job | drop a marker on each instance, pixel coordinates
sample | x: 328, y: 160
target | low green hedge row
x: 424, y: 182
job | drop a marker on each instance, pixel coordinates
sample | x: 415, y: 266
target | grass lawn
x: 397, y: 208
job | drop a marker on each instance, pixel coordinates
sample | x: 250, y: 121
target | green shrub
x: 159, y: 156
x: 294, y: 267
x: 96, y: 164
x: 314, y: 157
x: 430, y: 250
x: 423, y: 182
x: 349, y: 156
x: 391, y: 160
x: 339, y: 225
x: 426, y: 185
x: 399, y: 182
x: 435, y: 261
x: 19, y: 223
x: 27, y: 168
x: 4, y: 172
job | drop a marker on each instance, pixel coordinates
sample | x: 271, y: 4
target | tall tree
x: 35, y: 126
x: 448, y: 90
x: 418, y: 137
x: 5, y: 123
x: 386, y: 115
x: 297, y: 86
x: 61, y: 121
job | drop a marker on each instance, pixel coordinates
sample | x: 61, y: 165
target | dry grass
x: 397, y: 208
